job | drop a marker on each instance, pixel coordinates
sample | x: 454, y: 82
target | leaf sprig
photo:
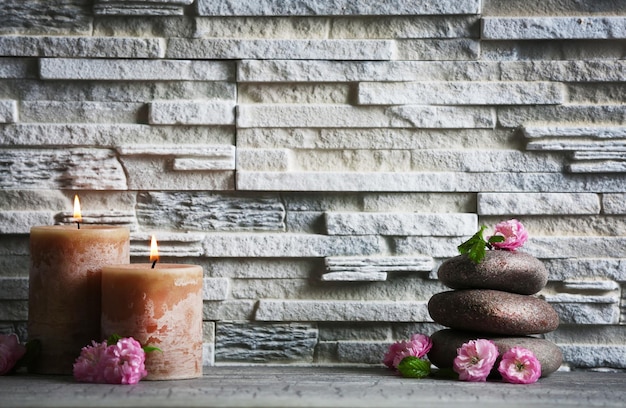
x: 114, y: 338
x: 413, y: 367
x: 475, y: 246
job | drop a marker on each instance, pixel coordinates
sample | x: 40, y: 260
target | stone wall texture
x: 320, y: 159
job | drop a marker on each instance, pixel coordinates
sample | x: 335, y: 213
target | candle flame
x: 154, y: 250
x: 77, y: 216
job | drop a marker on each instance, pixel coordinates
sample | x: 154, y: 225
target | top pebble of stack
x: 509, y: 271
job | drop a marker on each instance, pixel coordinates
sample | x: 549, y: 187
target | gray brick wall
x: 321, y: 159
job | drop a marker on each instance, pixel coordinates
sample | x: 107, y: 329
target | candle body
x: 160, y: 307
x: 64, y: 289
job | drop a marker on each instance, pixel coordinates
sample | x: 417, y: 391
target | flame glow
x: 77, y: 216
x: 154, y: 250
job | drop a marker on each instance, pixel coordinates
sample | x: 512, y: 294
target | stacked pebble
x: 494, y: 300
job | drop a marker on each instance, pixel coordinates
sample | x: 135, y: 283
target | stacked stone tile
x: 494, y: 300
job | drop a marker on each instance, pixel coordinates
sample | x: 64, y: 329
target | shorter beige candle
x: 160, y: 307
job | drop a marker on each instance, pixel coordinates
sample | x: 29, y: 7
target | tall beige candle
x: 160, y: 307
x: 64, y: 288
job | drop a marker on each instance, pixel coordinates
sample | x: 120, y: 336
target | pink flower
x: 475, y: 359
x: 520, y: 366
x: 120, y: 363
x: 11, y: 351
x: 514, y: 233
x: 417, y: 346
x: 87, y: 365
x: 124, y: 362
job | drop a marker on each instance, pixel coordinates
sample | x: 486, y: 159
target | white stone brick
x: 296, y: 93
x: 436, y: 247
x: 593, y: 70
x: 77, y: 47
x: 215, y: 288
x: 111, y: 134
x: 354, y: 71
x: 354, y: 277
x: 438, y: 50
x: 564, y: 115
x: 228, y: 310
x: 14, y: 68
x: 460, y: 26
x: 341, y: 311
x: 215, y: 112
x: 614, y: 203
x: 8, y: 111
x: 263, y: 159
x: 180, y: 48
x: 538, y: 203
x: 134, y: 70
x: 600, y: 166
x: 333, y: 7
x: 359, y: 352
x: 175, y: 245
x: 88, y: 169
x: 553, y: 28
x: 261, y: 268
x: 288, y: 245
x: 460, y: 93
x: 485, y: 160
x: 594, y: 355
x: 596, y: 268
x: 107, y: 217
x: 200, y: 164
x: 576, y: 247
x: 599, y: 132
x: 140, y: 7
x: 162, y: 177
x: 349, y: 116
x: 292, y: 27
x: 565, y: 145
x: 382, y: 264
x: 79, y: 112
x: 426, y: 182
x: 400, y: 224
x: 13, y: 288
x: 585, y: 310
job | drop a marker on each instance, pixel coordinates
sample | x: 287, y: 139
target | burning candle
x: 64, y: 287
x: 158, y: 305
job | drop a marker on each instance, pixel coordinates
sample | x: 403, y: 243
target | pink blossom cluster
x: 476, y: 358
x: 513, y: 232
x: 120, y: 363
x: 418, y: 346
x: 11, y: 351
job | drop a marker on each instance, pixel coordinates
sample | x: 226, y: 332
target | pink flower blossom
x: 124, y: 362
x: 519, y: 366
x: 87, y: 365
x: 475, y: 359
x: 514, y: 233
x: 417, y: 346
x: 120, y: 363
x: 11, y: 351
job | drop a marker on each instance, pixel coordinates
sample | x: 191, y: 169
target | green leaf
x: 113, y: 339
x: 414, y: 367
x: 475, y: 246
x: 150, y: 349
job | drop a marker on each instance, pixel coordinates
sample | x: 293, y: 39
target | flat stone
x: 509, y: 271
x: 493, y: 311
x: 447, y: 341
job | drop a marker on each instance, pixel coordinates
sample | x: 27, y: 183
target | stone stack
x: 494, y: 300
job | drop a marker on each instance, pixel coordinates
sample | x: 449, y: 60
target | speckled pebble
x: 509, y: 271
x: 447, y: 341
x: 493, y: 311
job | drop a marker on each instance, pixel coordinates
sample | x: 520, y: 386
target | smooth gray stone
x: 447, y: 341
x: 493, y: 311
x: 509, y: 271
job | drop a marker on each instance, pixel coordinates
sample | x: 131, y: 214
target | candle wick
x: 78, y: 223
x: 154, y: 263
